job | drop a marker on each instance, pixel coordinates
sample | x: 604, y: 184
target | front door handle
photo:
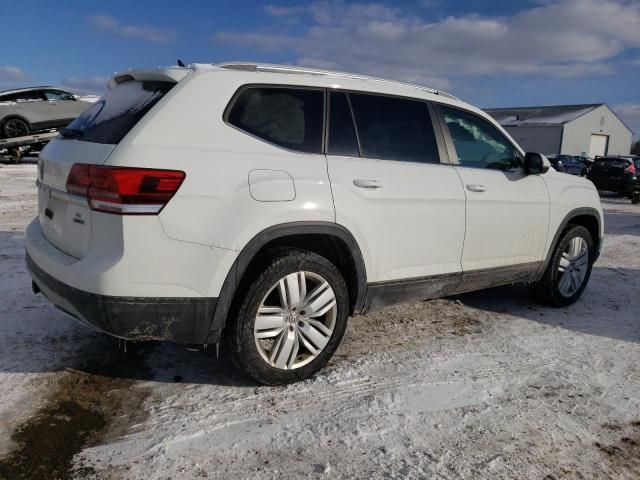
x: 366, y: 183
x: 476, y: 188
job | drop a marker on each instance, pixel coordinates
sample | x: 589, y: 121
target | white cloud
x: 94, y: 85
x: 280, y: 12
x: 563, y: 39
x: 11, y: 74
x: 145, y: 33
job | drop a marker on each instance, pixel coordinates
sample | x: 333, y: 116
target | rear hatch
x: 65, y: 219
x: 609, y: 172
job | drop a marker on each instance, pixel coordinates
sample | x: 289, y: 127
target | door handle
x: 366, y: 183
x: 476, y: 188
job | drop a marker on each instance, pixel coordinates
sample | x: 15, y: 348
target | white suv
x: 260, y: 206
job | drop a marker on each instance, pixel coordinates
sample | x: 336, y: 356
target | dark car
x: 575, y: 165
x: 617, y: 174
x: 557, y: 162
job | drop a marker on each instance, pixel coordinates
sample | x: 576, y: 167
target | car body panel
x: 396, y: 221
x: 515, y: 207
x: 423, y: 226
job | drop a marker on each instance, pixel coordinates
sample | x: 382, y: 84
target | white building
x: 586, y: 130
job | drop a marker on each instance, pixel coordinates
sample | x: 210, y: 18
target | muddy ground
x: 487, y: 385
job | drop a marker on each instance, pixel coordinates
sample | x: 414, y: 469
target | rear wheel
x: 15, y: 127
x: 290, y: 319
x: 568, y: 272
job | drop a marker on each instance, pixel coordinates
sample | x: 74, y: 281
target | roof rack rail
x: 272, y: 68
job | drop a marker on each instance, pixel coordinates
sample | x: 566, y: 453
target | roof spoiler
x: 168, y: 74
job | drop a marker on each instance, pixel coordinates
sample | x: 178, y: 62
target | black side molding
x: 249, y: 252
x: 382, y: 294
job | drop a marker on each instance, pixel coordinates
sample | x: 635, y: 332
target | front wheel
x: 290, y: 319
x: 569, y: 270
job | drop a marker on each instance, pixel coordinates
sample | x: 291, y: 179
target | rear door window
x: 30, y: 96
x: 109, y: 119
x: 392, y: 128
x: 288, y: 117
x: 342, y: 133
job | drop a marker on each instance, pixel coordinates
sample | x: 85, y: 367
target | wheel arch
x: 327, y: 239
x: 585, y: 216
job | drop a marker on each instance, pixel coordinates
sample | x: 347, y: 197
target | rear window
x: 289, y: 117
x: 611, y: 162
x: 110, y: 118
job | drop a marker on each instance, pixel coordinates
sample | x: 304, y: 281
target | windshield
x: 110, y: 118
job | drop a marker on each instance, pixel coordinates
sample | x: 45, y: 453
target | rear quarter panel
x: 214, y: 206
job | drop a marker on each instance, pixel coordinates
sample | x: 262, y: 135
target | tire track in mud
x: 94, y: 402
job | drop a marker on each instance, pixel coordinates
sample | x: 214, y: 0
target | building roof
x: 540, y: 116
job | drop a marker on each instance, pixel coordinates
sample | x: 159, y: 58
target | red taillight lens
x: 78, y: 179
x: 630, y: 169
x: 124, y: 190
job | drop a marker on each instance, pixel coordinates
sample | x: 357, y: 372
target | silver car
x: 28, y: 110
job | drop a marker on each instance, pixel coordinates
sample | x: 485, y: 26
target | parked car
x: 575, y: 166
x: 258, y: 207
x: 617, y: 174
x: 28, y: 110
x: 588, y: 161
x: 557, y: 162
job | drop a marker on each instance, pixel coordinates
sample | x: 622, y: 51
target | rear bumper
x: 623, y: 187
x: 182, y: 320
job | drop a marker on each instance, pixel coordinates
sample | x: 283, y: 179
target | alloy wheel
x: 15, y: 128
x: 295, y: 320
x: 573, y: 266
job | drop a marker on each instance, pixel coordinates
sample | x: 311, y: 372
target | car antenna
x: 180, y: 63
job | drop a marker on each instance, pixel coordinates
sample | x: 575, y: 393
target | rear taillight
x: 124, y: 190
x: 630, y: 169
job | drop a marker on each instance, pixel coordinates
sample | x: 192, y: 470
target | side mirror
x: 535, y: 163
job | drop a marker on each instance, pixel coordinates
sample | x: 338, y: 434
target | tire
x: 554, y: 288
x: 635, y: 199
x: 289, y: 343
x: 15, y: 127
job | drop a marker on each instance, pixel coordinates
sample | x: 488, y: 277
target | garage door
x: 598, y: 145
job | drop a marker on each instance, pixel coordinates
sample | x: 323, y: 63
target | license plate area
x: 65, y: 220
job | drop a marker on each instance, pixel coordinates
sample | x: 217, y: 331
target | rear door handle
x: 476, y: 188
x: 366, y: 183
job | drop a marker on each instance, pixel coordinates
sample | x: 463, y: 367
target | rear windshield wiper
x: 71, y: 132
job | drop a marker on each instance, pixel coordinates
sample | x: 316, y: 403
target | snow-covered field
x: 485, y: 386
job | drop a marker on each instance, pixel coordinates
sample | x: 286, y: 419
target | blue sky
x: 490, y: 53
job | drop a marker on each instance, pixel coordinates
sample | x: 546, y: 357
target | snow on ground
x: 487, y: 385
